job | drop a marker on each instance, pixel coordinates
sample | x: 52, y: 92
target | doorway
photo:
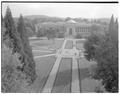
x: 70, y: 31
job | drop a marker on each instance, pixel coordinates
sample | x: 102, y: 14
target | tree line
x: 50, y: 30
x: 16, y: 40
x: 103, y: 49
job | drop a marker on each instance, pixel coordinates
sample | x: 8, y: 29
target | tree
x: 107, y: 59
x: 30, y: 27
x: 2, y: 28
x: 10, y: 35
x: 2, y: 18
x: 41, y: 32
x: 95, y: 28
x: 17, y: 61
x: 111, y: 25
x: 51, y: 33
x: 11, y: 44
x: 29, y: 64
x: 90, y: 45
x: 105, y: 52
x: 115, y: 34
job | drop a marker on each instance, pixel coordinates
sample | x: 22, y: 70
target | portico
x: 73, y: 28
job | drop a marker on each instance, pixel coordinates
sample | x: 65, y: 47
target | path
x: 53, y: 73
x: 75, y: 78
x: 63, y: 53
x: 42, y: 51
x: 76, y: 84
x: 44, y: 56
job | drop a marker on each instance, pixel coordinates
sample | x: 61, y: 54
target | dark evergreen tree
x: 116, y: 33
x: 111, y: 25
x: 29, y: 64
x: 10, y: 35
x: 1, y: 18
x: 51, y: 33
x: 10, y: 43
x: 2, y: 28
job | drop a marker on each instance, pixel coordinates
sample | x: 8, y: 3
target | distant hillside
x: 43, y: 18
x: 35, y: 19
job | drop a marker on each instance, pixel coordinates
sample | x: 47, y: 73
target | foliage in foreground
x: 19, y: 63
x: 104, y: 50
x: 11, y: 79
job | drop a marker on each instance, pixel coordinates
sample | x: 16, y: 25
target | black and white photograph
x: 59, y: 47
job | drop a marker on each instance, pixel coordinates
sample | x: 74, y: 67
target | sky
x: 84, y: 10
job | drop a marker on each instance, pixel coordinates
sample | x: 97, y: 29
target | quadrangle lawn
x: 38, y: 53
x: 47, y: 43
x: 40, y: 48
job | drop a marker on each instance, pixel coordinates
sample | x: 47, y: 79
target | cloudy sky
x: 84, y: 10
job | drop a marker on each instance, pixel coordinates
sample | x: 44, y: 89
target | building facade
x: 73, y: 28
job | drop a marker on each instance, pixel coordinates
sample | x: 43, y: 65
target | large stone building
x: 72, y: 28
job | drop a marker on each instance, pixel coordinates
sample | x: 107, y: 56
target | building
x: 71, y: 28
x: 74, y: 28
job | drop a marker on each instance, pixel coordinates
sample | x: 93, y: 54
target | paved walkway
x: 75, y: 77
x: 63, y: 53
x: 42, y: 51
x: 52, y: 76
x: 73, y: 53
x: 49, y: 84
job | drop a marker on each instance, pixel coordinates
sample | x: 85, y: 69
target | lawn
x: 80, y: 44
x: 40, y: 48
x: 56, y: 45
x: 47, y: 44
x: 44, y: 42
x: 62, y: 83
x: 43, y: 68
x: 38, y: 53
x: 69, y: 44
x: 34, y: 39
x: 87, y: 83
